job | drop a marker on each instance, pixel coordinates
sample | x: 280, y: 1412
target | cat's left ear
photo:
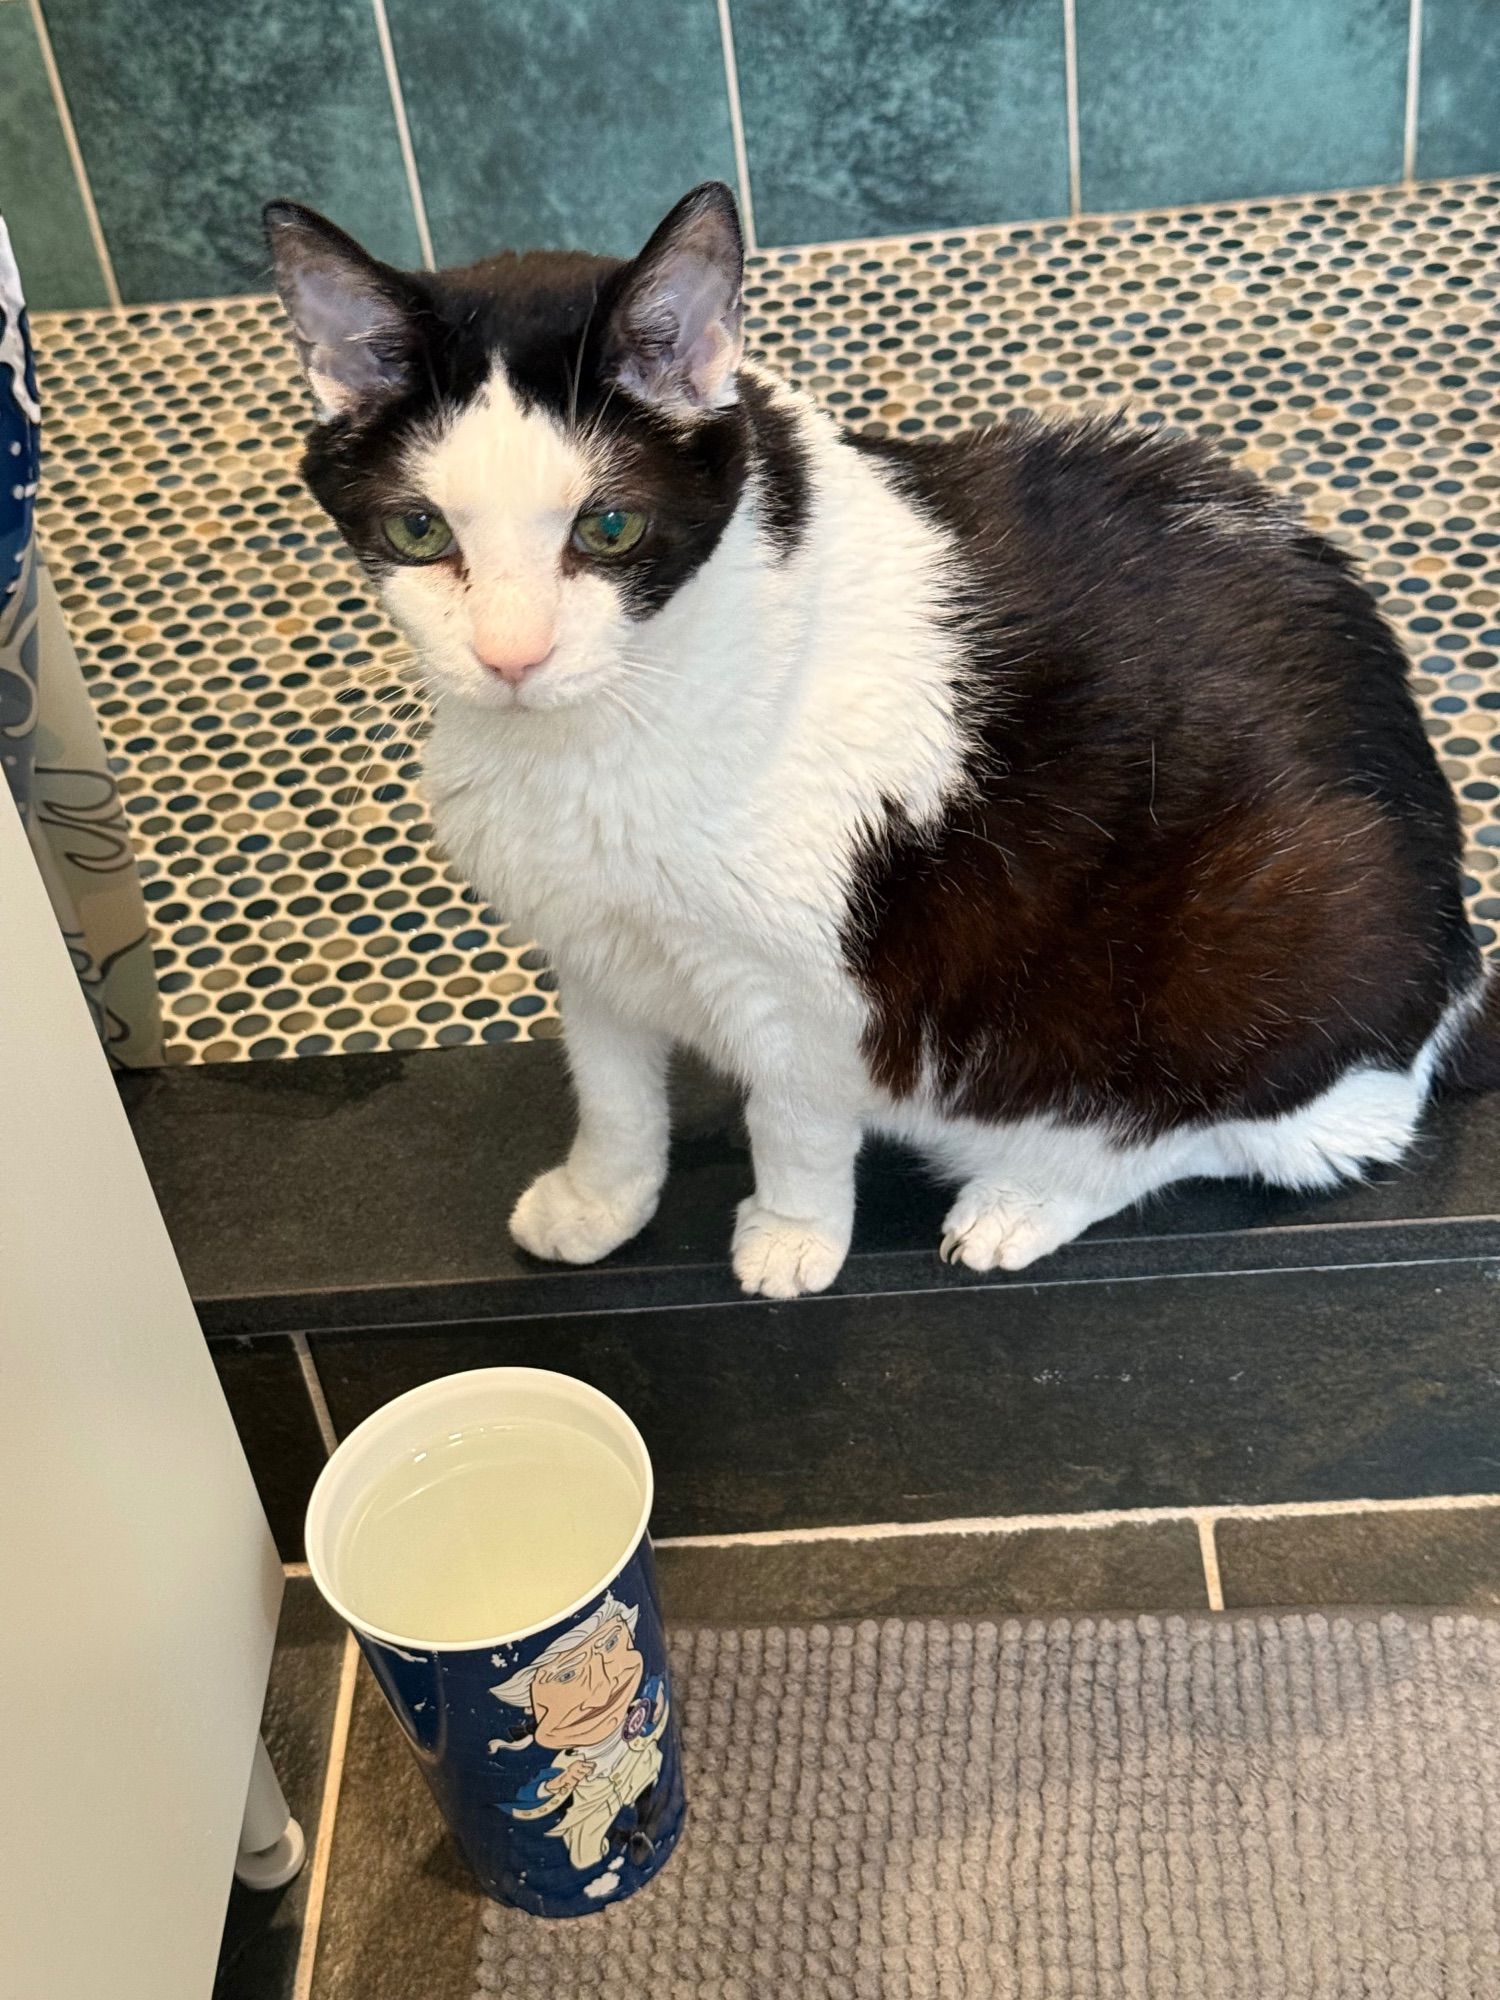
x: 677, y: 329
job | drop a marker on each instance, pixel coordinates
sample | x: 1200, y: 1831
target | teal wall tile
x: 39, y: 195
x: 559, y: 123
x: 191, y: 115
x: 1458, y: 106
x: 917, y: 114
x: 1207, y: 100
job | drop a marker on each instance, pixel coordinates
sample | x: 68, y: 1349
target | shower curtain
x: 51, y: 751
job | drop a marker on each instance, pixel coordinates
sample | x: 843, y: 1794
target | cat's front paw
x: 1004, y: 1229
x: 779, y: 1257
x: 566, y: 1222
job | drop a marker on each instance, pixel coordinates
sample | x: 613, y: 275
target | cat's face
x: 530, y: 456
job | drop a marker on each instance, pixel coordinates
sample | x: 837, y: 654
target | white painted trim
x: 314, y: 1386
x: 317, y: 1880
x: 1070, y: 72
x: 80, y: 171
x: 403, y: 132
x: 737, y: 124
x: 1207, y: 1548
x: 1015, y: 1524
x: 1413, y: 90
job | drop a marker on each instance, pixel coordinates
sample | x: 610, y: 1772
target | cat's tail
x: 1471, y: 1062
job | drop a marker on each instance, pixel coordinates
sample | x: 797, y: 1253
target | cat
x: 1045, y: 797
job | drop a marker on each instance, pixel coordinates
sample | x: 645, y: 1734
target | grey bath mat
x: 1157, y: 1809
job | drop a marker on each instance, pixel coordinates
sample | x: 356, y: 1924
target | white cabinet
x: 139, y: 1586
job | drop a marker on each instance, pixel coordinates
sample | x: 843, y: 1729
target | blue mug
x: 552, y: 1752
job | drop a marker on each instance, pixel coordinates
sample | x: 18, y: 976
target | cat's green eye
x: 418, y: 534
x: 608, y: 533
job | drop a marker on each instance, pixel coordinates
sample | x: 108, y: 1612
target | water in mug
x: 487, y: 1531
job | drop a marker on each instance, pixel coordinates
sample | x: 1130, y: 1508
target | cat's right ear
x: 677, y: 329
x: 352, y: 316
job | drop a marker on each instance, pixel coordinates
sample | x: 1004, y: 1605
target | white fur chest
x: 685, y: 893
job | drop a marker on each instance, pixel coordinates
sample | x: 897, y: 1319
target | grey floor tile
x: 401, y: 1913
x: 1152, y: 1566
x: 1447, y: 1556
x: 263, y: 1932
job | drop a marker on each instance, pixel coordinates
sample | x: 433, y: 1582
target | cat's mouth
x: 540, y: 693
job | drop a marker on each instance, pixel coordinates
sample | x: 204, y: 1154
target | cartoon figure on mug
x: 590, y: 1702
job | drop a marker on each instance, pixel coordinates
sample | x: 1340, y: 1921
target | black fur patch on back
x: 545, y: 316
x: 1206, y: 860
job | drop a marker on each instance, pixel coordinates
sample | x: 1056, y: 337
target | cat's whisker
x: 641, y: 722
x: 578, y: 361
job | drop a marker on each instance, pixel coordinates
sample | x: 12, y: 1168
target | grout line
x: 737, y: 125
x: 1015, y: 1524
x: 1070, y: 73
x: 75, y: 155
x: 934, y: 1287
x: 1413, y: 90
x: 403, y: 132
x: 1209, y: 1551
x: 317, y: 1881
x: 315, y: 1396
x: 293, y: 1571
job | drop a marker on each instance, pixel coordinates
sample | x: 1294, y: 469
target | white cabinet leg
x: 272, y: 1847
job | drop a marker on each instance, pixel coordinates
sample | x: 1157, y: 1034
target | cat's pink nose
x: 515, y: 657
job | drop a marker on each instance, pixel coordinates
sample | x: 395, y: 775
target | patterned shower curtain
x: 50, y: 748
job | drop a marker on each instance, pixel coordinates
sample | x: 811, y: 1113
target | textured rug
x: 1256, y: 1807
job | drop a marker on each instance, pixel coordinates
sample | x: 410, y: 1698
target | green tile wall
x: 1200, y: 100
x: 191, y: 114
x: 1458, y: 123
x: 579, y: 122
x: 570, y: 123
x: 39, y: 195
x: 916, y: 114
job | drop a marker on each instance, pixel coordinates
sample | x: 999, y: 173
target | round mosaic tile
x: 1347, y: 347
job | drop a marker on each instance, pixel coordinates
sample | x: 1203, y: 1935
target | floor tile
x: 268, y: 1400
x: 1458, y: 123
x: 189, y: 125
x: 1446, y: 1556
x: 1148, y: 1566
x: 263, y: 1931
x: 1214, y: 101
x: 933, y: 114
x: 1373, y: 1381
x: 556, y: 125
x: 39, y: 195
x: 1271, y: 327
x: 401, y: 1913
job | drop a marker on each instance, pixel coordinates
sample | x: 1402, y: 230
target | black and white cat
x: 1044, y: 797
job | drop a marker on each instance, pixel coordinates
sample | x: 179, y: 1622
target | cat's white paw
x: 1005, y: 1229
x: 560, y: 1219
x: 779, y: 1257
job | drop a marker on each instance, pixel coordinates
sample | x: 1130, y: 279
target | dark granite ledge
x: 372, y: 1191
